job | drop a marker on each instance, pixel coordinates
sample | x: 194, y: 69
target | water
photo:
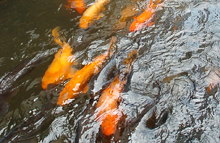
x: 177, y: 55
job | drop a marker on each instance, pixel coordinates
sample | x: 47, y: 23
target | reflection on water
x: 166, y: 98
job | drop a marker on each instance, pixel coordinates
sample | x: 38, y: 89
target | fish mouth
x: 84, y: 26
x: 85, y: 21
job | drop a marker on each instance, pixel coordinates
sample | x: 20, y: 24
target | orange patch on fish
x: 109, y: 124
x: 61, y: 66
x: 129, y: 11
x: 79, y: 81
x: 107, y: 107
x: 79, y: 5
x: 92, y: 14
x: 144, y: 20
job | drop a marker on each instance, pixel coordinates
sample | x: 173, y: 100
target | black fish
x: 26, y: 130
x: 8, y: 81
x: 99, y: 81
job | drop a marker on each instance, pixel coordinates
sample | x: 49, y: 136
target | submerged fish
x: 61, y: 67
x: 93, y: 13
x: 28, y: 129
x: 145, y: 19
x: 8, y: 81
x: 79, y: 5
x: 107, y: 106
x: 129, y: 11
x: 78, y: 83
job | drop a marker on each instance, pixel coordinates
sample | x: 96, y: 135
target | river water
x: 166, y: 98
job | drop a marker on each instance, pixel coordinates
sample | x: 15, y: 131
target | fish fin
x: 151, y: 24
x: 50, y: 86
x: 135, y: 17
x: 74, y: 63
x: 120, y: 25
x: 55, y: 32
x: 100, y: 16
x: 56, y: 36
x: 14, y: 92
x: 103, y: 9
x: 67, y: 6
x: 112, y: 46
x: 85, y: 88
x: 72, y: 72
x: 158, y: 1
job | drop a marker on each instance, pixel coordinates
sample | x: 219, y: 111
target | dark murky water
x: 166, y: 98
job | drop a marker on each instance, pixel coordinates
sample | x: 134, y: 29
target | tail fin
x: 56, y: 36
x: 112, y: 46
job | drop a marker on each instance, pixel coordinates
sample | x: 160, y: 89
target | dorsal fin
x: 56, y: 36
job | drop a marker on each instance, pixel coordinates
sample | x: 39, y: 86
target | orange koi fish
x: 144, y: 19
x: 78, y: 84
x: 79, y: 5
x: 129, y: 11
x: 93, y: 13
x: 60, y: 68
x: 107, y: 106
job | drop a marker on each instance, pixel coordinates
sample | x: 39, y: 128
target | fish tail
x: 62, y: 96
x: 56, y: 36
x: 112, y: 47
x: 109, y: 124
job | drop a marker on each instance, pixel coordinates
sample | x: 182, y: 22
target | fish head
x: 86, y: 21
x: 134, y: 26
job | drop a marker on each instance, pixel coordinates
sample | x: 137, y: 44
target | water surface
x: 176, y: 56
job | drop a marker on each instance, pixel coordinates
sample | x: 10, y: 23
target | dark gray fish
x: 8, y: 81
x: 27, y: 130
x: 104, y: 77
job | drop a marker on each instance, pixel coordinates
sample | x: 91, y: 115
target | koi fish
x: 16, y: 134
x: 144, y: 19
x: 79, y: 5
x: 7, y: 82
x: 107, y: 106
x: 93, y: 13
x: 61, y: 67
x: 129, y: 11
x: 78, y: 84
